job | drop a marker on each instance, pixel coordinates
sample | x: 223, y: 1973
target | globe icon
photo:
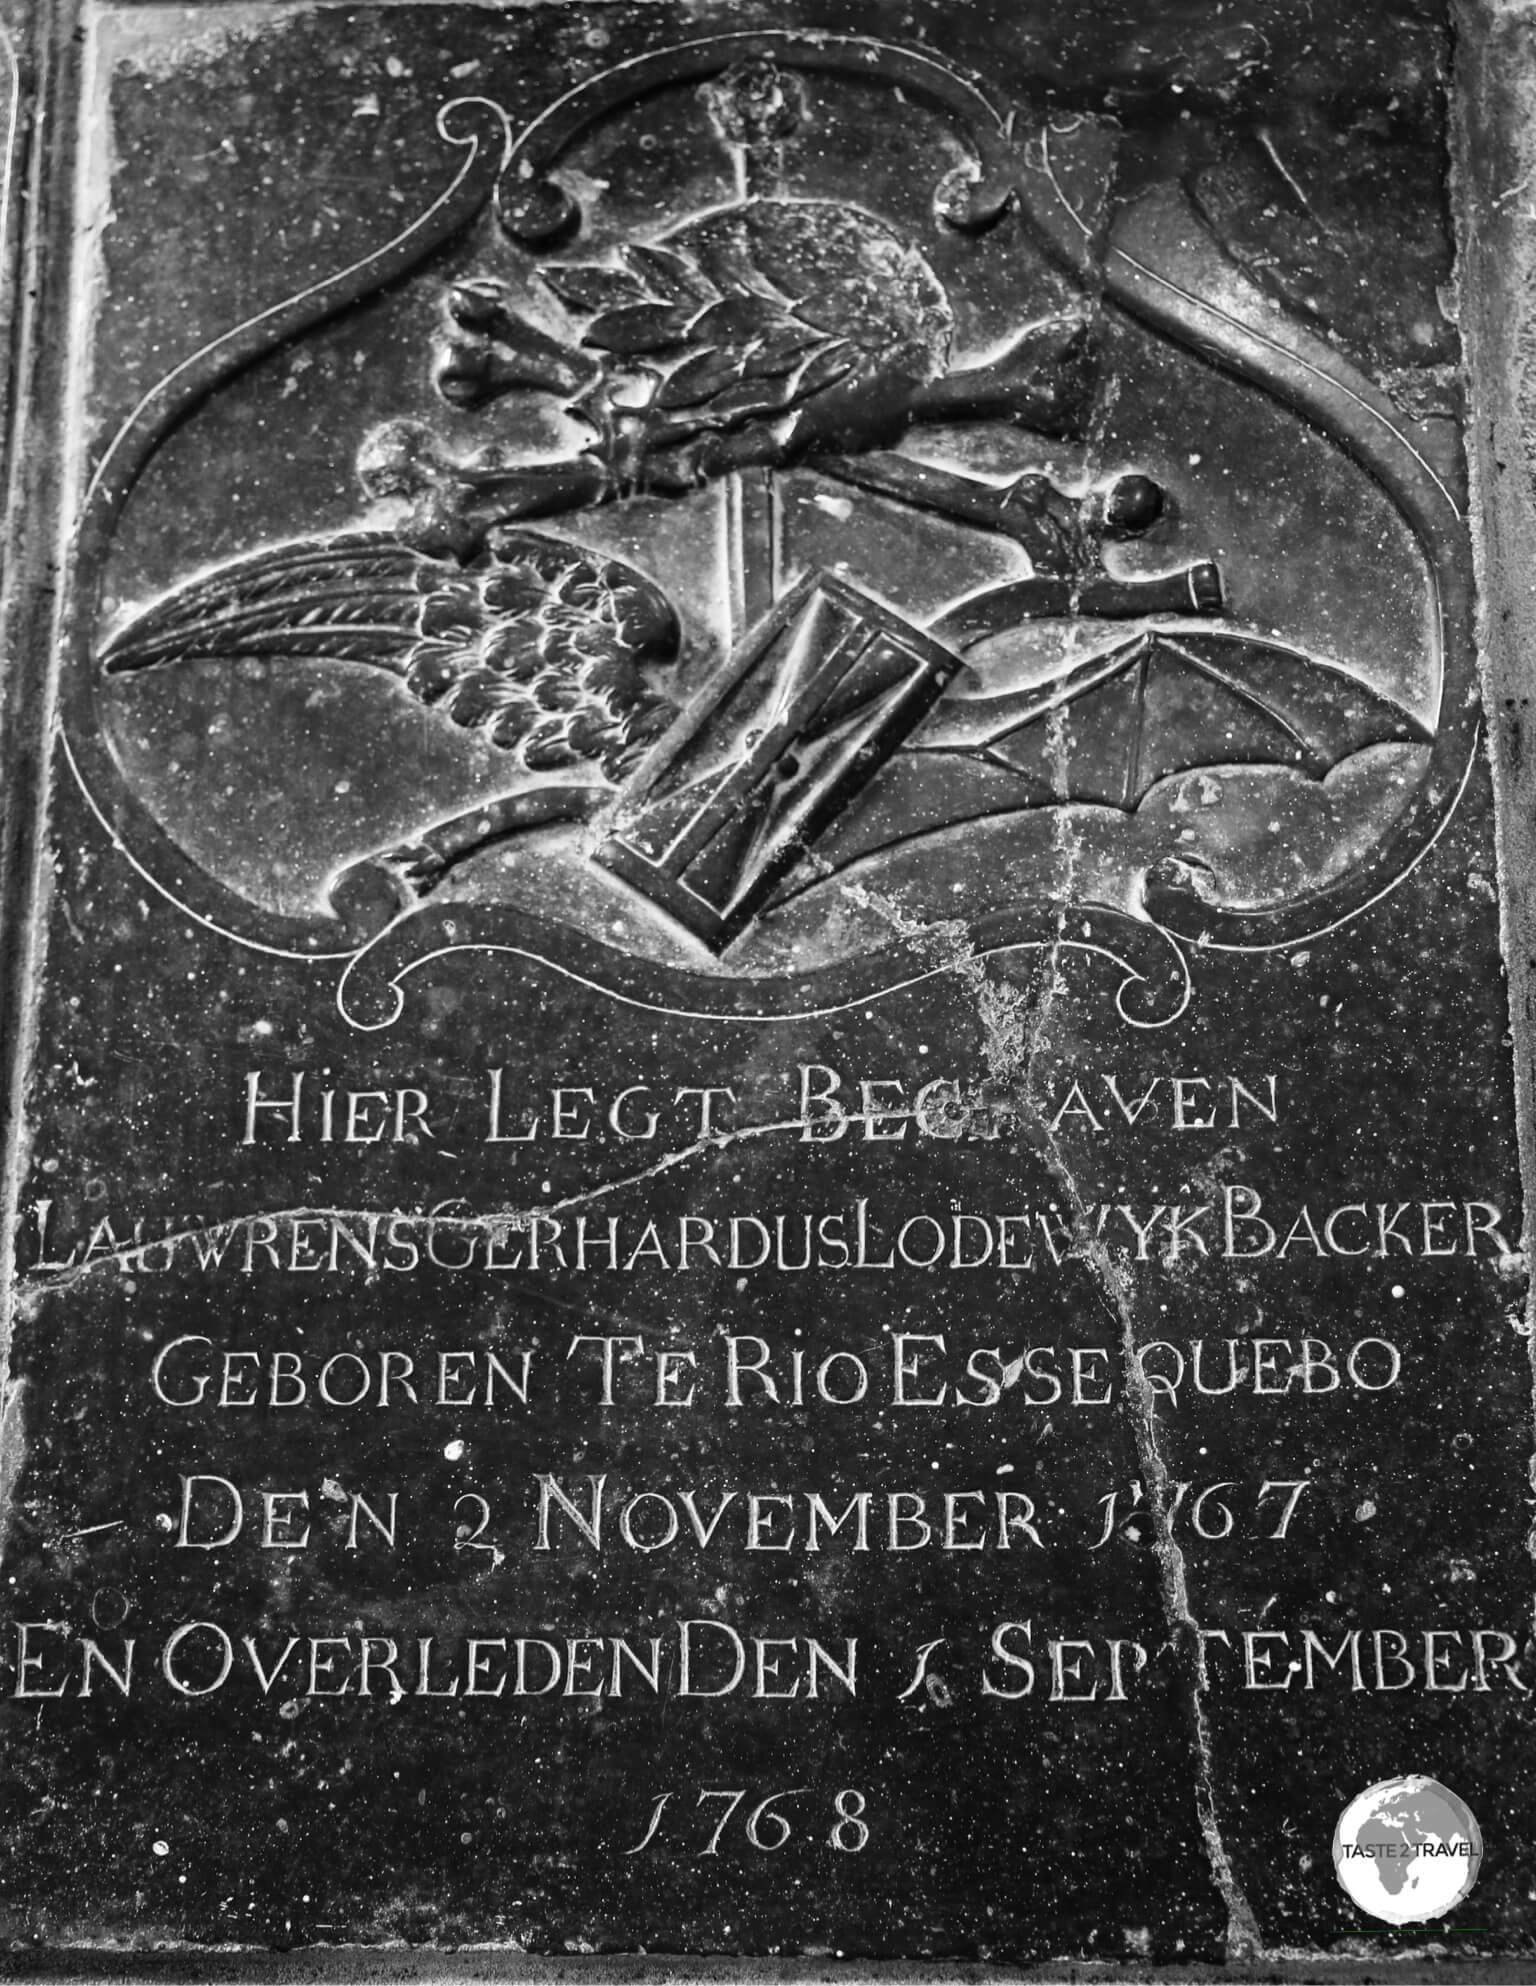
x: 1407, y: 1849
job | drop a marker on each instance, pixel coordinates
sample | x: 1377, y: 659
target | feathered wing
x: 539, y: 646
x: 354, y: 599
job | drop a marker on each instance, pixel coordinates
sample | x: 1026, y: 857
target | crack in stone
x: 497, y: 1221
x: 1243, y: 1938
x: 1492, y: 279
x: 1014, y: 1042
x: 1014, y: 1028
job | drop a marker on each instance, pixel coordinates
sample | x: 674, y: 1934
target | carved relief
x: 805, y: 570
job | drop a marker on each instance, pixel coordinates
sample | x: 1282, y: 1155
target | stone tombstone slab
x: 765, y: 1189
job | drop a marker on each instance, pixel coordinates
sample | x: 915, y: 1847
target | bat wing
x: 1107, y: 730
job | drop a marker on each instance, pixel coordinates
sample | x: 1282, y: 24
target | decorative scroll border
x: 479, y: 127
x: 1156, y: 261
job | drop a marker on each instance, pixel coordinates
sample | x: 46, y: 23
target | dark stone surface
x: 452, y: 713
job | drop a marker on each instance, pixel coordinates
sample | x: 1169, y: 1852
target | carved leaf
x: 781, y: 350
x: 748, y: 308
x: 737, y: 320
x: 589, y: 288
x: 749, y: 398
x: 827, y: 368
x: 641, y: 327
x: 697, y: 378
x: 668, y: 275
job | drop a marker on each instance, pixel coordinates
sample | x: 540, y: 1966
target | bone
x: 454, y: 503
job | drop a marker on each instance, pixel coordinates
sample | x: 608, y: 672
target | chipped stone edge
x: 1493, y: 138
x: 1493, y: 188
x: 37, y: 197
x: 484, y: 1965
